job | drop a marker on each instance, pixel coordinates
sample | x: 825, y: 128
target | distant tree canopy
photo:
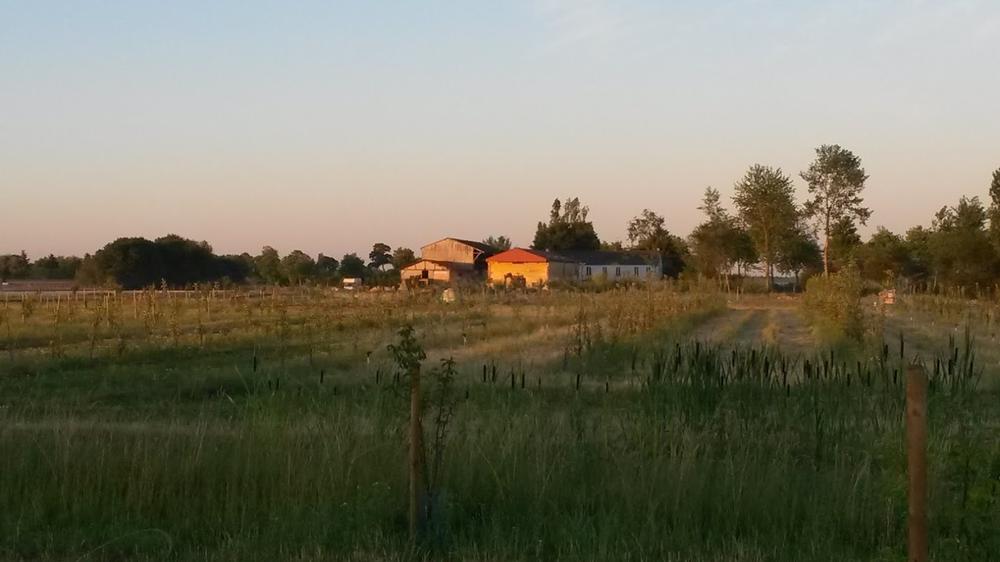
x: 380, y: 256
x: 567, y: 230
x: 134, y: 263
x: 501, y: 243
x: 402, y: 257
x: 647, y: 232
x: 14, y: 266
x: 268, y: 266
x: 326, y: 267
x: 960, y: 248
x: 353, y: 266
x: 298, y: 267
x: 720, y: 243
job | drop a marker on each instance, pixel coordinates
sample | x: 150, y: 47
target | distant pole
x: 916, y: 457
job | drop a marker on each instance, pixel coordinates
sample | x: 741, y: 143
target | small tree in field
x: 836, y: 180
x: 765, y: 200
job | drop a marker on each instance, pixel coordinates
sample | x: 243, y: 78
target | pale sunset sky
x: 328, y: 126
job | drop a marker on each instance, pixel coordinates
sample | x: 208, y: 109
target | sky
x: 328, y: 126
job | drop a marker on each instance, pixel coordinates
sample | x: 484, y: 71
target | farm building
x: 614, y: 266
x: 519, y: 266
x: 533, y: 267
x: 449, y: 260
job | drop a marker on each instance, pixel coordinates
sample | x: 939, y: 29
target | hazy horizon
x: 328, y: 128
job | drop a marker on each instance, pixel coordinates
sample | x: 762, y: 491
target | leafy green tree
x: 402, y: 257
x: 720, y: 242
x: 885, y: 257
x: 836, y: 180
x: 647, y: 232
x: 844, y: 242
x: 89, y: 274
x: 326, y: 267
x: 962, y: 254
x: 765, y: 201
x: 352, y: 266
x: 233, y: 268
x: 55, y: 267
x: 14, y: 266
x: 918, y: 248
x: 184, y: 261
x: 567, y: 230
x: 380, y: 256
x: 501, y: 243
x: 131, y: 263
x: 298, y: 267
x: 995, y: 209
x: 268, y: 266
x: 798, y: 252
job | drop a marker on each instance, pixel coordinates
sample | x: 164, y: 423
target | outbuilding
x: 531, y: 268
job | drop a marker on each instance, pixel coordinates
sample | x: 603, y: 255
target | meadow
x: 647, y: 423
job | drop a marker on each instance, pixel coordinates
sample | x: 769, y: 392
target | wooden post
x: 916, y: 460
x: 416, y: 450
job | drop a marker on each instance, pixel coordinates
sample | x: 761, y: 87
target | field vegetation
x: 620, y: 425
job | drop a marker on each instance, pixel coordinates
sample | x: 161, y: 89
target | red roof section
x: 522, y: 255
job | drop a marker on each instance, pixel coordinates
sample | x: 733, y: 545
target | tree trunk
x: 826, y: 248
x: 767, y: 261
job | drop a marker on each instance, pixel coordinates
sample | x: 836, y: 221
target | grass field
x: 642, y: 424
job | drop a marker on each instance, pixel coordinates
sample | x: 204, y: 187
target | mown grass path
x: 752, y: 321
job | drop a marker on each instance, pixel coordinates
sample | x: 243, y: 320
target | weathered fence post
x: 416, y: 450
x: 916, y: 457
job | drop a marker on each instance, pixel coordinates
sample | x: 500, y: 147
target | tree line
x: 767, y: 231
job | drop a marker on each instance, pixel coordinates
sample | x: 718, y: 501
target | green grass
x: 178, y: 449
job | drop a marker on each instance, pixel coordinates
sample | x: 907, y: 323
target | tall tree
x: 326, y: 267
x: 14, y: 266
x: 647, y: 232
x: 298, y: 267
x: 720, y: 242
x: 568, y: 229
x: 501, y: 242
x: 402, y: 257
x: 885, y: 257
x: 799, y: 252
x: 962, y: 254
x: 765, y: 201
x: 268, y: 266
x: 844, y: 242
x: 352, y: 266
x: 995, y: 209
x: 836, y: 180
x: 380, y: 256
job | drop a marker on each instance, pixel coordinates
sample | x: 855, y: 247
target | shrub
x: 834, y: 304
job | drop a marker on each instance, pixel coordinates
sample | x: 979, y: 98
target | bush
x: 834, y: 304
